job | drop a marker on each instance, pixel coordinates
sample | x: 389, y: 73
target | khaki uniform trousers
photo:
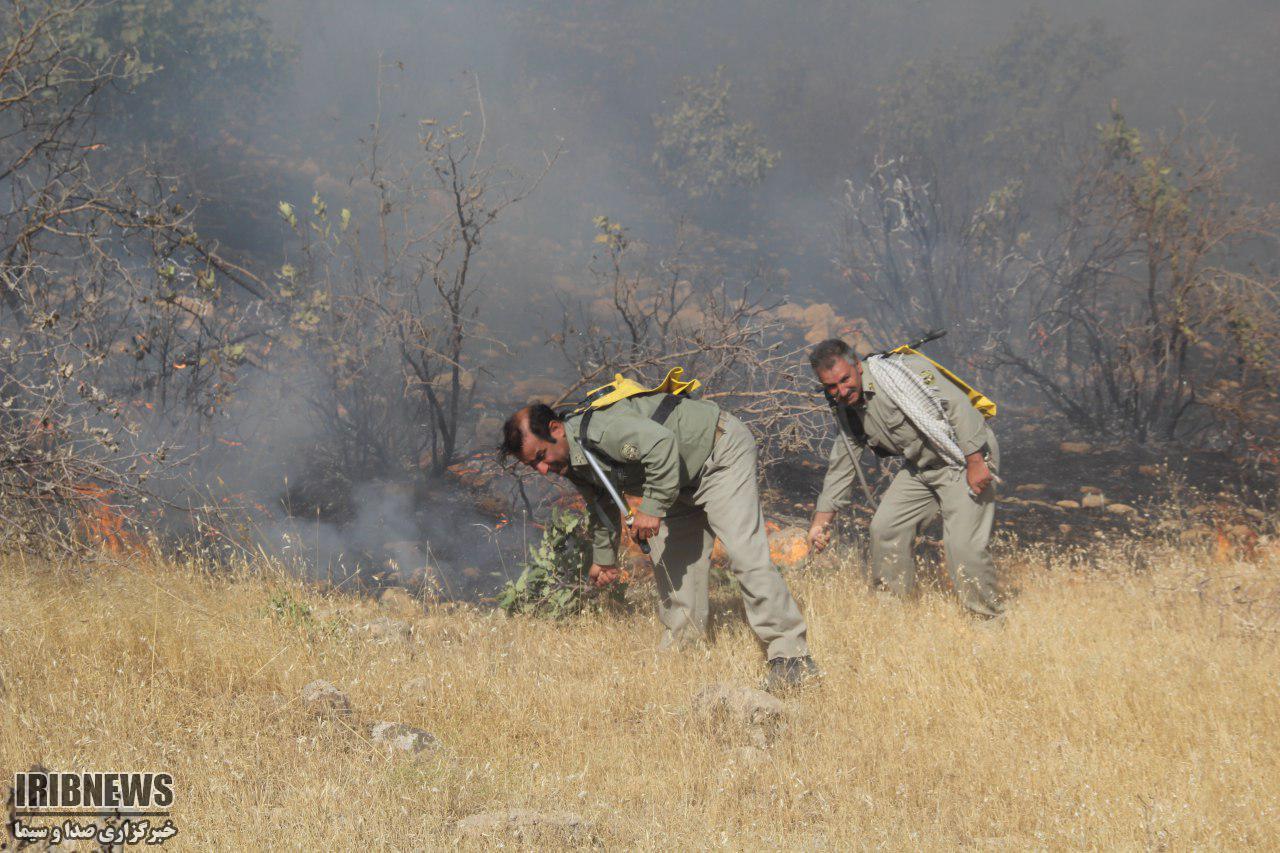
x: 913, y: 499
x: 725, y: 504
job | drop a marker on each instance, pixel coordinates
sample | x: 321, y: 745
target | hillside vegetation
x: 1114, y: 709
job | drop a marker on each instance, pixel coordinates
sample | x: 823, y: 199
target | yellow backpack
x: 980, y: 401
x: 623, y: 387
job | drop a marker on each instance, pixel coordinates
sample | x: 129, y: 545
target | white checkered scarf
x: 919, y: 402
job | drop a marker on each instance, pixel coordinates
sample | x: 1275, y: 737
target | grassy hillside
x: 1112, y: 710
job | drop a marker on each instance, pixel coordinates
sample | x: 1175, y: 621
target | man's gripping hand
x: 603, y: 575
x: 644, y: 525
x: 977, y: 473
x: 820, y: 530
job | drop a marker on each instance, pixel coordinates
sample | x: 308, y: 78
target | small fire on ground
x: 102, y: 523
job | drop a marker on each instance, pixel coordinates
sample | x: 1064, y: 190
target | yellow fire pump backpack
x: 623, y: 387
x: 980, y: 401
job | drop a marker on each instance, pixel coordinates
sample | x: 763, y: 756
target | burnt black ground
x: 1038, y: 472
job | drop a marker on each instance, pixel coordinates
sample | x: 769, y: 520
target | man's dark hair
x: 540, y: 417
x: 825, y: 354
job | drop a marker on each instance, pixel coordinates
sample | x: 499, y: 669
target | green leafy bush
x: 554, y: 580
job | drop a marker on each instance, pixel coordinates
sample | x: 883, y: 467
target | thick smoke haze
x: 567, y: 103
x: 586, y: 80
x: 589, y: 77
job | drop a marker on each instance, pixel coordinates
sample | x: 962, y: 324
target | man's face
x: 546, y: 457
x: 843, y: 381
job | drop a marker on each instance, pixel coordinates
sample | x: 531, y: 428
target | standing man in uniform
x: 951, y: 458
x: 695, y: 468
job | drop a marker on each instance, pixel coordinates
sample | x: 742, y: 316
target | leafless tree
x: 913, y: 265
x: 392, y: 308
x: 1152, y: 314
x: 681, y: 311
x: 115, y: 324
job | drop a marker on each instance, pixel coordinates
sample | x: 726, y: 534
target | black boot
x: 789, y: 673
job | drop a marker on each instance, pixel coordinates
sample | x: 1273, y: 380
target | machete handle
x: 644, y: 546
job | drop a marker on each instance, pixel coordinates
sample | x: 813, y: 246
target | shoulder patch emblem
x: 928, y: 377
x: 630, y: 452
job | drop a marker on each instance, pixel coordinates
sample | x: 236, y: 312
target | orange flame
x: 102, y: 523
x: 789, y: 547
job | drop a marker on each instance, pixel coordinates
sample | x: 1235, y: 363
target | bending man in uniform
x: 695, y: 468
x: 951, y: 459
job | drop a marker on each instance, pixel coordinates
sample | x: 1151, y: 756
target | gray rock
x: 324, y: 700
x: 749, y: 756
x: 417, y: 684
x: 398, y: 603
x: 741, y: 764
x: 756, y: 713
x: 387, y: 630
x: 400, y: 738
x: 523, y: 825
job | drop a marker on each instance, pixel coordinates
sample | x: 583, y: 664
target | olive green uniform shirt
x: 656, y: 461
x: 890, y: 433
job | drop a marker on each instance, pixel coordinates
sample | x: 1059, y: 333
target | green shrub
x: 554, y: 580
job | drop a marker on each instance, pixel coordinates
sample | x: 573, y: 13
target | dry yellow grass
x: 1111, y: 711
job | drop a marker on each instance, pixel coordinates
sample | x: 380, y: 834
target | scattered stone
x: 398, y: 602
x: 386, y: 630
x: 1093, y: 501
x: 753, y: 711
x: 397, y: 737
x: 1075, y: 447
x: 1064, y: 528
x: 523, y: 825
x: 1030, y: 487
x: 1241, y: 531
x: 1196, y: 535
x: 1121, y: 509
x: 742, y: 763
x: 1090, y: 490
x: 1067, y: 504
x: 1149, y: 470
x: 324, y: 700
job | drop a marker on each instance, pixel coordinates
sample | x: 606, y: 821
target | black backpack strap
x: 665, y: 408
x: 856, y: 429
x: 845, y: 418
x: 582, y: 429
